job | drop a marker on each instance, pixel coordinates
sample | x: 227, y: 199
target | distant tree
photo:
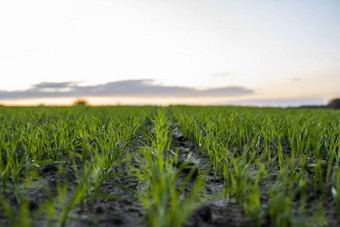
x: 335, y: 104
x: 80, y: 102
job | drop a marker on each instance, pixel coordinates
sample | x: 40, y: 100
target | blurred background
x: 202, y: 52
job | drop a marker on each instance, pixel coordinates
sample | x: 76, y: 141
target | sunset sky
x: 266, y: 53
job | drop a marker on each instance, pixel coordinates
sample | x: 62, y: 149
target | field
x: 169, y: 166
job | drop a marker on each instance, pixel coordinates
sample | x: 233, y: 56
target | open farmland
x: 169, y: 166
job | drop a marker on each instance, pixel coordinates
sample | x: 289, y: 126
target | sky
x: 262, y: 53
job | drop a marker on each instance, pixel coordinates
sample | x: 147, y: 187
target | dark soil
x: 127, y: 211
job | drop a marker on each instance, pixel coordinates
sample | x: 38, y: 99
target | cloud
x: 54, y: 85
x: 126, y: 88
x: 281, y: 102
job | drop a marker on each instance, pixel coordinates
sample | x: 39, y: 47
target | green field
x: 169, y: 166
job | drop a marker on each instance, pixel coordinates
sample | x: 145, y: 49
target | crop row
x: 280, y: 165
x: 271, y: 159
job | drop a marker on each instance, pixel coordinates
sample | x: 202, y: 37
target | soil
x: 127, y: 211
